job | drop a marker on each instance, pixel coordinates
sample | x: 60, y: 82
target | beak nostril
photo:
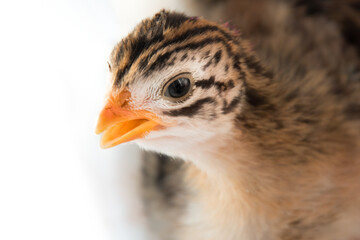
x: 124, y: 103
x: 121, y: 99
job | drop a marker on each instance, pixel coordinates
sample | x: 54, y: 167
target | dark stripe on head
x: 160, y: 61
x: 172, y: 62
x: 207, y: 54
x: 217, y: 57
x: 184, y: 57
x: 191, y: 110
x: 206, y: 83
x: 220, y: 86
x: 207, y: 64
x: 175, y: 20
x: 254, y: 98
x: 236, y: 62
x: 230, y: 84
x: 227, y: 108
x: 137, y: 48
x: 119, y: 53
x: 257, y: 100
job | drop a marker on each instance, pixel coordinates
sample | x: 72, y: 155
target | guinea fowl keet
x: 268, y: 125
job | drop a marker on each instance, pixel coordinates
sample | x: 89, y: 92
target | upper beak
x: 121, y: 124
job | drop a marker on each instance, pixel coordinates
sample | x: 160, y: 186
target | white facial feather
x: 187, y: 134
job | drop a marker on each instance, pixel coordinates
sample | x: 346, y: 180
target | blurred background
x: 55, y: 181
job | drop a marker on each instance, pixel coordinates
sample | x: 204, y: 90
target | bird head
x: 177, y: 83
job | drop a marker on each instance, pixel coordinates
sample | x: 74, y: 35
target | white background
x: 55, y: 181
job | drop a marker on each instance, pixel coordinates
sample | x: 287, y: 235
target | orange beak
x: 121, y: 124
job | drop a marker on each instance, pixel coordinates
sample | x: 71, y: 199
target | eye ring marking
x: 178, y: 88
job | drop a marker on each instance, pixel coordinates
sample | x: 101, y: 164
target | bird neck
x: 229, y: 164
x: 226, y: 186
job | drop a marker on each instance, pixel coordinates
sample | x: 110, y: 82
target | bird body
x: 266, y: 121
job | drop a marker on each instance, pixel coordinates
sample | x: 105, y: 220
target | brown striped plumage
x: 270, y: 132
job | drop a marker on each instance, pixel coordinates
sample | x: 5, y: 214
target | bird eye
x: 178, y: 88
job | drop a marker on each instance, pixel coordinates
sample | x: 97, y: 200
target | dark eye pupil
x: 178, y: 88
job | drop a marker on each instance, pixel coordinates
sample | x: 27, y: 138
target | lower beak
x: 120, y: 124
